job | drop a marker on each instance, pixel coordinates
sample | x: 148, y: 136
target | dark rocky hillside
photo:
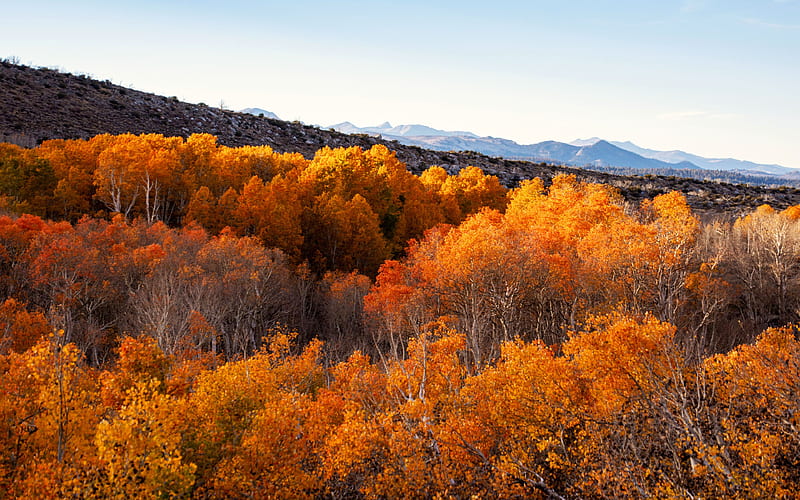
x: 37, y: 104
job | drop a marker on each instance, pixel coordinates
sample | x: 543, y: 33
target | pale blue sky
x: 712, y: 77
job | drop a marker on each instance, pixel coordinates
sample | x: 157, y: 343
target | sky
x: 718, y: 78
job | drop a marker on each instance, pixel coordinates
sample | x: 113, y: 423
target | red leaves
x: 19, y: 328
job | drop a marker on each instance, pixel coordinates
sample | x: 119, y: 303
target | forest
x: 181, y: 319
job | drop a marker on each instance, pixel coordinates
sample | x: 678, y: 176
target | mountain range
x: 677, y: 156
x: 594, y: 152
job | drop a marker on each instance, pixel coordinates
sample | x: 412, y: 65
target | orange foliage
x: 140, y: 360
x: 461, y: 397
x: 19, y: 328
x: 557, y: 256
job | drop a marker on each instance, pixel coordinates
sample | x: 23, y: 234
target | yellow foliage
x: 139, y: 448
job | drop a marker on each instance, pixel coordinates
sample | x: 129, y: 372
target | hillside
x: 185, y: 319
x: 37, y: 104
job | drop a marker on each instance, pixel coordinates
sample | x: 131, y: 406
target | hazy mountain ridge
x: 38, y: 104
x: 676, y: 156
x: 593, y: 152
x: 599, y: 154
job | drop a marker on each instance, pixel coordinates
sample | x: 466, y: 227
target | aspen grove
x: 181, y: 319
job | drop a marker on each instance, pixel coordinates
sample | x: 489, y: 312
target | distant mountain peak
x: 627, y: 145
x: 259, y: 112
x: 585, y: 142
x: 387, y: 130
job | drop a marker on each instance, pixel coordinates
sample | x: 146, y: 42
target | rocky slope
x: 37, y: 104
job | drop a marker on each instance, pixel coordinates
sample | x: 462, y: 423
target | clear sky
x: 712, y: 77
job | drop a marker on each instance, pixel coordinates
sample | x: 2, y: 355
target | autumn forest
x: 182, y: 319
